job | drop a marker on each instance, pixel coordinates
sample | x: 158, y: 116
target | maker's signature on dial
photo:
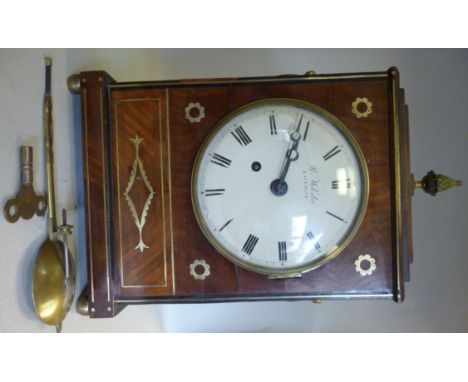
x: 311, y: 184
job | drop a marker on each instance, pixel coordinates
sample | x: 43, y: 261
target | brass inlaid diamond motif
x: 140, y: 220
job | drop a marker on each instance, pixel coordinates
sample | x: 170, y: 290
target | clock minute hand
x: 279, y: 187
x: 292, y: 154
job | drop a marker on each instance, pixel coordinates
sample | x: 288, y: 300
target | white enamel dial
x: 279, y: 187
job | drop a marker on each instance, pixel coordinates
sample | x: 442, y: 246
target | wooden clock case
x: 139, y: 142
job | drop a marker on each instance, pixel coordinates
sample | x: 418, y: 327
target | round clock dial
x: 279, y: 187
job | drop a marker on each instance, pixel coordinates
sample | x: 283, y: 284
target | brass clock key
x: 26, y: 203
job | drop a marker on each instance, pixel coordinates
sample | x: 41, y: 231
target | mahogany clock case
x: 139, y: 143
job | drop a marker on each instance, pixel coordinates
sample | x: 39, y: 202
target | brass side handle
x: 433, y: 183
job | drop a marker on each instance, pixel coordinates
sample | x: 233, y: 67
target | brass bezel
x: 296, y: 271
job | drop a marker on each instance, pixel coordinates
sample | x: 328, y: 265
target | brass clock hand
x: 279, y: 187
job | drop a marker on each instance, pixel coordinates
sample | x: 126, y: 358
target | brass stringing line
x: 139, y: 220
x: 162, y: 191
x: 90, y: 236
x: 169, y: 176
x: 104, y: 194
x: 396, y: 129
x: 118, y: 190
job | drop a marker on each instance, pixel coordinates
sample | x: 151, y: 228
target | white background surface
x: 436, y: 84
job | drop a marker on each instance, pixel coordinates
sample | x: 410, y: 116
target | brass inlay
x: 396, y: 163
x: 197, y: 275
x: 357, y: 103
x: 139, y: 220
x: 169, y: 175
x: 104, y: 188
x: 365, y: 271
x: 199, y: 111
x: 122, y: 283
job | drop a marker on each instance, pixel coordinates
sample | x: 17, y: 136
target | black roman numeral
x: 335, y: 150
x: 337, y: 183
x: 335, y: 216
x: 241, y: 136
x: 306, y: 131
x: 250, y: 244
x: 214, y: 191
x: 273, y: 130
x: 225, y: 225
x: 220, y: 160
x: 311, y: 236
x: 282, y: 254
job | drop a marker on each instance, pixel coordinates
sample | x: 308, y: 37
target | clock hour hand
x: 279, y: 187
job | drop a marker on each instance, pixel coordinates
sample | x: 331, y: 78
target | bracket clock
x: 242, y: 189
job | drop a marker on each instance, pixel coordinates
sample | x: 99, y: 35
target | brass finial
x: 433, y: 183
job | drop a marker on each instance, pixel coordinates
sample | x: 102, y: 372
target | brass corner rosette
x: 433, y: 183
x: 358, y: 103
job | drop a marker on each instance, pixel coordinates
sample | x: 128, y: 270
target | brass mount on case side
x: 433, y: 183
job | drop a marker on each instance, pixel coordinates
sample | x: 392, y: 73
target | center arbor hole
x: 256, y: 166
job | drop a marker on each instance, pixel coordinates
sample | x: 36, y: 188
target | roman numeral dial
x: 277, y: 187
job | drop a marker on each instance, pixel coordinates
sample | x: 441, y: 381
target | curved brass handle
x: 433, y: 183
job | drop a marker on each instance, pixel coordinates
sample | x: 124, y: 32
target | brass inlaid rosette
x: 194, y: 112
x: 200, y: 269
x: 369, y: 267
x: 361, y: 107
